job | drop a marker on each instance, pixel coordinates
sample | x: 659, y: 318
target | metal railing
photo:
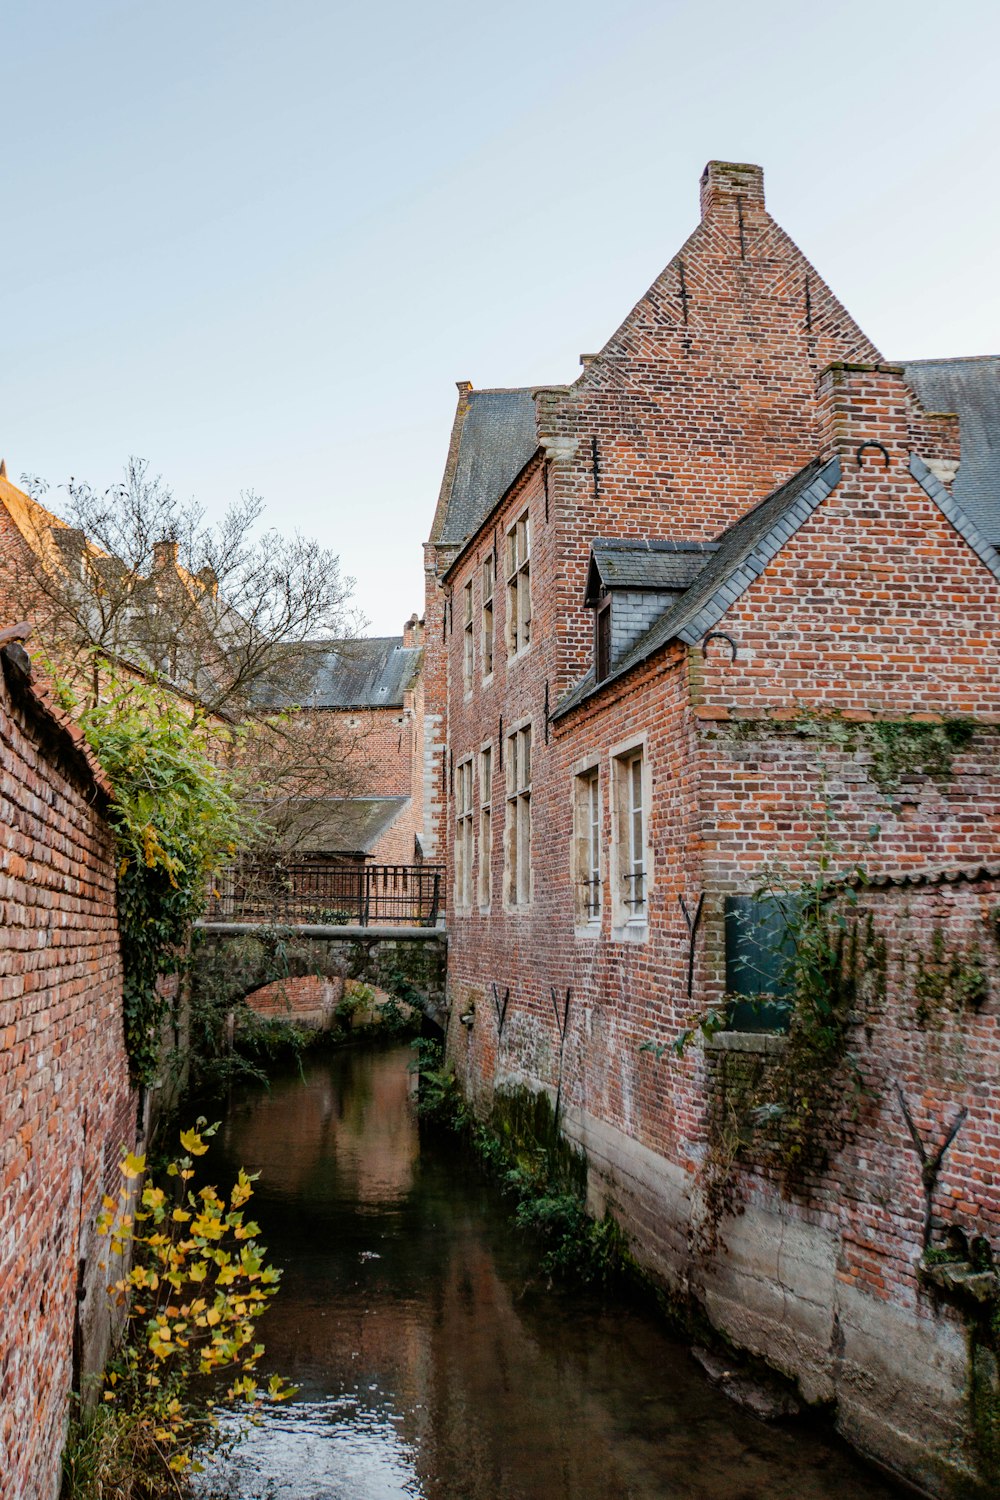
x: 334, y: 895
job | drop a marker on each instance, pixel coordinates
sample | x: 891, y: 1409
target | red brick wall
x: 876, y: 609
x: 384, y: 751
x: 697, y: 414
x: 65, y: 1102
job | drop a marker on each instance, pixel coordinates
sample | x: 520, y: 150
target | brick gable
x: 855, y: 597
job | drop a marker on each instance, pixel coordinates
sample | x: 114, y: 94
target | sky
x: 256, y: 242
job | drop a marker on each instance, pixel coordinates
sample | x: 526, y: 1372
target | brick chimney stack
x: 861, y: 405
x: 164, y: 554
x: 734, y: 188
x: 413, y: 631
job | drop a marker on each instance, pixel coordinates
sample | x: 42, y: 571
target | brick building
x: 66, y: 1104
x: 730, y: 601
x: 369, y: 691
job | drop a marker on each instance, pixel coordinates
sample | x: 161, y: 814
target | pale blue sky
x: 258, y: 242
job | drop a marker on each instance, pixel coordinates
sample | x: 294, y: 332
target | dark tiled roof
x: 955, y: 876
x: 956, y: 514
x: 339, y: 825
x: 498, y: 437
x: 368, y: 673
x: 970, y: 387
x: 742, y: 554
x: 641, y: 564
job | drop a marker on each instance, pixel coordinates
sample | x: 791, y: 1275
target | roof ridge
x: 653, y: 544
x: 950, y: 359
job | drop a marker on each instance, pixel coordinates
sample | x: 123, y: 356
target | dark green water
x: 431, y: 1363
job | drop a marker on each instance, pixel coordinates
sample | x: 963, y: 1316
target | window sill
x: 516, y: 656
x: 486, y: 681
x: 761, y: 1042
x: 630, y: 932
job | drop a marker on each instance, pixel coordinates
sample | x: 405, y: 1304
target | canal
x: 432, y: 1363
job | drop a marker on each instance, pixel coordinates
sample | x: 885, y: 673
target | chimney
x: 864, y: 414
x: 413, y: 631
x: 734, y: 187
x: 207, y: 577
x: 164, y: 555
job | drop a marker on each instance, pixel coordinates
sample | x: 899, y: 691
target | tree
x: 132, y: 574
x: 131, y: 580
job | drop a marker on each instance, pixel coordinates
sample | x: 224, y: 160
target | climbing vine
x: 177, y: 817
x: 897, y: 749
x: 789, y: 1101
x: 947, y: 980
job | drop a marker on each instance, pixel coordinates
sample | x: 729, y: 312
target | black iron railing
x: 328, y: 894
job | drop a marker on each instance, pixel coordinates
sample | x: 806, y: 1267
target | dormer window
x: 633, y: 583
x: 602, y: 638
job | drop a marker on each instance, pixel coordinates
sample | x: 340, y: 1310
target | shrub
x: 192, y: 1298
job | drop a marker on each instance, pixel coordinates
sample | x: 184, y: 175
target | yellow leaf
x: 133, y: 1166
x: 192, y: 1141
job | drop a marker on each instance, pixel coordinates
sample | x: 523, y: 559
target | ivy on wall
x: 177, y: 818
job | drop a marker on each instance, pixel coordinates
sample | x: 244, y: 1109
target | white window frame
x: 588, y: 884
x: 632, y: 859
x: 518, y: 575
x: 468, y: 641
x: 485, y: 872
x: 488, y: 646
x: 464, y: 837
x: 517, y: 824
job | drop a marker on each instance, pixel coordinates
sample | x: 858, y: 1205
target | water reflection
x: 432, y: 1364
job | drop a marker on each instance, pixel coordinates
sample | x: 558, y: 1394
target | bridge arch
x: 234, y: 960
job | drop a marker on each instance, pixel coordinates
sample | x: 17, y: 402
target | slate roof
x: 956, y: 875
x: 368, y: 673
x: 339, y: 825
x: 497, y: 439
x: 640, y: 564
x: 970, y: 387
x: 742, y: 554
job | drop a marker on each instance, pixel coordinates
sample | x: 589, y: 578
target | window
x: 489, y: 583
x: 587, y: 847
x: 485, y: 826
x: 463, y: 834
x: 633, y: 877
x: 602, y: 645
x: 518, y: 827
x: 518, y: 586
x: 468, y: 660
x: 760, y: 954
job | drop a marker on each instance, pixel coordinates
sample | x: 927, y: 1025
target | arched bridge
x: 380, y: 924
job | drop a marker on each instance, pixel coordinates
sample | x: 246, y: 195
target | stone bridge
x: 234, y: 959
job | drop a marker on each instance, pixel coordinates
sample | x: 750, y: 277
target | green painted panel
x: 758, y: 952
